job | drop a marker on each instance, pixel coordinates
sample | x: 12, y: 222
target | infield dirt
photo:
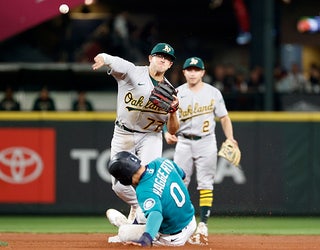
x: 99, y: 241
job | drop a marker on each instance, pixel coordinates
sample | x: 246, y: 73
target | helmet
x: 123, y: 166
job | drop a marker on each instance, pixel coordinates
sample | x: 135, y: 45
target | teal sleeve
x: 153, y: 223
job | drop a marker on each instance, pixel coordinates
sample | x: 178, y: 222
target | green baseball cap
x: 193, y: 62
x: 163, y: 48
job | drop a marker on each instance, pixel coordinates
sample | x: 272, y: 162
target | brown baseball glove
x: 231, y: 152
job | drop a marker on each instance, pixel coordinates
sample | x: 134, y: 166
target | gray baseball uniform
x: 197, y: 146
x: 139, y: 123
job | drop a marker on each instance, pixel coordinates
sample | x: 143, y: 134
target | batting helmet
x: 123, y: 166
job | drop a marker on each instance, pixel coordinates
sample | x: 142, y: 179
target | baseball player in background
x: 163, y: 197
x: 139, y: 123
x: 199, y: 105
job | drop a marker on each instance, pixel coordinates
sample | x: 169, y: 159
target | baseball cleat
x: 200, y: 237
x: 114, y: 239
x: 116, y: 218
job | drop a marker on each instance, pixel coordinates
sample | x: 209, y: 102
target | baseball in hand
x: 64, y: 9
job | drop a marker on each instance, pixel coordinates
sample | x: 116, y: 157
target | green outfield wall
x: 55, y: 163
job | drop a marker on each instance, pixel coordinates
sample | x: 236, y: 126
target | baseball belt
x: 193, y: 137
x: 127, y: 129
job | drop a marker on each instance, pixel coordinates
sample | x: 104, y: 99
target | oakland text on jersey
x: 196, y: 110
x: 162, y: 175
x: 136, y: 104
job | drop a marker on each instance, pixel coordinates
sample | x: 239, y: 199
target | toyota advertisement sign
x: 27, y: 165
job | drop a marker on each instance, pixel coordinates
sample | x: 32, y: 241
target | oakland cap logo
x: 19, y: 165
x: 166, y: 48
x: 193, y: 61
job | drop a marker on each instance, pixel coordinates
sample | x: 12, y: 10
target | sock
x: 205, y: 202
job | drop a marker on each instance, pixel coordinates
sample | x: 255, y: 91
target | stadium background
x: 280, y: 161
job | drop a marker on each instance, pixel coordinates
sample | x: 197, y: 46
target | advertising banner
x: 58, y: 166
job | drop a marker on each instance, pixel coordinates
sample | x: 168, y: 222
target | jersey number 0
x: 174, y: 188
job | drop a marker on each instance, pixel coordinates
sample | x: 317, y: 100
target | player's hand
x: 132, y: 243
x: 99, y: 62
x: 170, y: 139
x: 144, y: 241
x: 234, y: 141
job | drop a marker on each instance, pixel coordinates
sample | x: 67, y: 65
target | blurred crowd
x: 44, y: 101
x: 243, y: 89
x: 120, y: 35
x: 230, y: 79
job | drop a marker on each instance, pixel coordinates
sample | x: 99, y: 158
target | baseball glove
x: 162, y: 97
x: 231, y: 152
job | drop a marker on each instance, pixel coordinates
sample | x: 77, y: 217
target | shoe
x: 200, y: 236
x: 114, y: 239
x: 116, y: 218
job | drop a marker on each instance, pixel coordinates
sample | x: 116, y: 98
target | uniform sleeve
x: 153, y: 224
x: 220, y: 109
x: 117, y: 66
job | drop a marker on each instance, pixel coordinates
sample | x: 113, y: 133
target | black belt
x: 127, y: 129
x: 192, y: 137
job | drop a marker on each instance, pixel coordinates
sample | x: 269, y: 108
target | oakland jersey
x: 134, y: 109
x: 197, y: 111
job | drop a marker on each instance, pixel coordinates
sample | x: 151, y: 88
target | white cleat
x: 114, y: 239
x: 116, y: 218
x: 200, y: 237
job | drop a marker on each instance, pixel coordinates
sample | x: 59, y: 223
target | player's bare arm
x: 226, y: 125
x: 173, y: 123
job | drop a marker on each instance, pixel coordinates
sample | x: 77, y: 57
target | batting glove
x: 145, y: 240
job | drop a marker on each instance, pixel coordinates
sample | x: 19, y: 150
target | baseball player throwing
x: 199, y: 104
x: 163, y: 197
x: 139, y: 122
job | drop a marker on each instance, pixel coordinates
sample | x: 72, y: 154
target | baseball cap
x: 193, y: 62
x: 163, y: 48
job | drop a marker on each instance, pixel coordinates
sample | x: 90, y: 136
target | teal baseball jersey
x: 161, y: 189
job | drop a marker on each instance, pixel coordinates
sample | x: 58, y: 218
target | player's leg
x: 124, y: 141
x: 183, y: 158
x: 178, y: 239
x: 131, y: 232
x: 116, y: 218
x: 148, y: 146
x: 205, y: 163
x: 126, y: 231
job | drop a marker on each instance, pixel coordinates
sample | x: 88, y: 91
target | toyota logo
x: 19, y: 165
